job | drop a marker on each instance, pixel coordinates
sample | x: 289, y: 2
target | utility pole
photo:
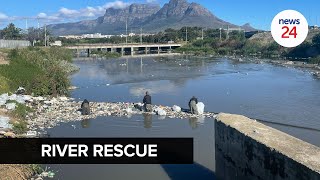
x: 227, y: 33
x: 140, y: 35
x: 131, y: 36
x: 202, y: 34
x: 38, y: 28
x: 220, y: 34
x: 26, y: 24
x: 186, y: 34
x: 45, y: 35
x: 127, y: 31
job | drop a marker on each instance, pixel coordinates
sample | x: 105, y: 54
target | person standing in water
x: 147, y: 102
x: 193, y: 105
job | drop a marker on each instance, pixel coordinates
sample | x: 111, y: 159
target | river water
x: 271, y: 93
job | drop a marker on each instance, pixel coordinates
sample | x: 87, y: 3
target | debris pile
x: 49, y: 112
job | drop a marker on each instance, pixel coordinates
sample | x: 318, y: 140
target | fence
x: 14, y: 43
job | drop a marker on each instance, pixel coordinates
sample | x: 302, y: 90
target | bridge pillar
x: 170, y: 50
x: 132, y: 51
x: 146, y: 50
x: 122, y: 51
x: 158, y: 49
x: 78, y: 53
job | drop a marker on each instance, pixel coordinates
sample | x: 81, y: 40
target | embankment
x: 246, y: 149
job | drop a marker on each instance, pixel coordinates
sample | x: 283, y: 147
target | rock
x: 289, y: 63
x: 63, y: 98
x: 9, y: 135
x: 200, y: 108
x: 176, y: 108
x: 44, y: 174
x: 31, y: 134
x: 11, y: 106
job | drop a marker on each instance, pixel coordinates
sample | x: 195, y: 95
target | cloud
x: 65, y: 14
x: 3, y: 16
x: 151, y: 1
x: 68, y: 12
x: 116, y: 5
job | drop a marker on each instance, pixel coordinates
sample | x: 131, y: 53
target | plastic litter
x: 51, y: 174
x: 2, y: 102
x: 11, y: 106
x: 200, y: 107
x: 161, y: 112
x: 4, y: 97
x: 129, y: 110
x: 13, y: 97
x: 31, y: 133
x: 4, y: 122
x: 20, y: 99
x: 176, y: 108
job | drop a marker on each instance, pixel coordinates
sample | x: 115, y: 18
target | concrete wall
x: 246, y: 149
x: 13, y: 43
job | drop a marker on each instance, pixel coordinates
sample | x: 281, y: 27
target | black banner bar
x: 96, y: 151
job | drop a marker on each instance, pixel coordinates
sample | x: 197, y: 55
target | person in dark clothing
x: 193, y: 105
x: 147, y: 102
x: 85, y: 107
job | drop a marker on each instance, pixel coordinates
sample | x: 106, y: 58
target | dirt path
x: 15, y: 171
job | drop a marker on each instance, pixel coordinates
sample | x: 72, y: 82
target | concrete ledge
x: 265, y: 148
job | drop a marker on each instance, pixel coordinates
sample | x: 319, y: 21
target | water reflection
x: 147, y: 121
x: 85, y: 123
x: 193, y: 122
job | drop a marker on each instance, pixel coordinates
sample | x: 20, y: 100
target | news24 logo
x: 289, y: 28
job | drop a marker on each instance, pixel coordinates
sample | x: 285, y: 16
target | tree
x: 316, y: 40
x: 11, y: 32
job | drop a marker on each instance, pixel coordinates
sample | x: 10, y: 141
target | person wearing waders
x: 85, y: 107
x: 147, y: 102
x: 193, y: 105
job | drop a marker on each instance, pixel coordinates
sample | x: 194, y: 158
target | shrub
x: 20, y: 127
x: 38, y: 70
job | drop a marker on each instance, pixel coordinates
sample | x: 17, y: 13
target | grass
x: 4, y: 85
x: 38, y: 70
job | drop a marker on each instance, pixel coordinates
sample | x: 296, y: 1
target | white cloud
x: 116, y: 5
x: 3, y: 16
x: 151, y: 1
x: 65, y: 14
x: 68, y: 12
x: 42, y: 15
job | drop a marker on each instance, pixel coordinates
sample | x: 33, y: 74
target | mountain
x: 174, y: 14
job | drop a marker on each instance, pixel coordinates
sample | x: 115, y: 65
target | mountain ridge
x: 151, y: 17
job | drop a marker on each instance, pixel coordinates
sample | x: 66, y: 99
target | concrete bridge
x: 126, y: 49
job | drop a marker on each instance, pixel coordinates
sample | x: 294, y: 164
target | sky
x: 259, y: 13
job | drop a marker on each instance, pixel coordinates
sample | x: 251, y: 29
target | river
x: 263, y: 91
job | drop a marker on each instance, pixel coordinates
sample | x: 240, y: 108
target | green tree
x: 11, y: 32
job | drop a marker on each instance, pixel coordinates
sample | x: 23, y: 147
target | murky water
x: 277, y: 94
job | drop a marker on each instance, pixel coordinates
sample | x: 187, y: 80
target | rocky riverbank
x: 49, y: 112
x: 314, y: 69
